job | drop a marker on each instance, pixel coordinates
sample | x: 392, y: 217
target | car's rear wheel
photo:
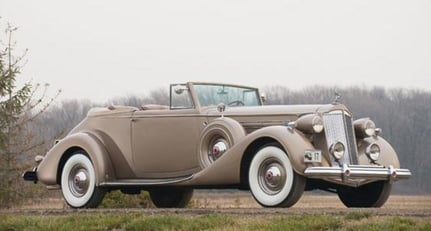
x: 78, y: 182
x: 370, y: 195
x: 169, y: 197
x: 272, y: 180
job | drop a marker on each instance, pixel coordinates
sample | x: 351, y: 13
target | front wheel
x: 170, y: 197
x: 78, y: 182
x: 272, y: 180
x: 370, y: 195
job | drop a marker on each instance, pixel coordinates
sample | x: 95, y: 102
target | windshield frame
x: 253, y: 99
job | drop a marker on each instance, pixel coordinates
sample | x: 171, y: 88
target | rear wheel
x: 78, y: 182
x: 171, y: 197
x: 272, y: 180
x: 370, y: 195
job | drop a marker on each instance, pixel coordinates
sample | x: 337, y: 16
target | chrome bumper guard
x: 358, y: 173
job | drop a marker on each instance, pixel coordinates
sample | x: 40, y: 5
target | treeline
x: 403, y: 115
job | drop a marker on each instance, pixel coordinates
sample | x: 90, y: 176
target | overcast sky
x: 100, y: 49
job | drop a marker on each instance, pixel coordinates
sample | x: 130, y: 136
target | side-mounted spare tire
x: 78, y: 182
x: 217, y: 138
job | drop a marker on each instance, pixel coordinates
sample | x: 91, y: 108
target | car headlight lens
x: 317, y: 124
x: 337, y: 150
x: 373, y: 152
x: 364, y: 127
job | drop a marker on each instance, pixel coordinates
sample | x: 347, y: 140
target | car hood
x: 277, y: 110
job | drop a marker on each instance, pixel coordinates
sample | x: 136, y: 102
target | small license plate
x: 313, y: 156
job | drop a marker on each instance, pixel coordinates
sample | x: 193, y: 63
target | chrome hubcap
x: 78, y: 181
x: 217, y: 148
x: 272, y: 176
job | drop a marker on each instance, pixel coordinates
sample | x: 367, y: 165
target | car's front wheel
x: 78, y: 182
x: 170, y: 197
x: 272, y: 180
x: 370, y: 195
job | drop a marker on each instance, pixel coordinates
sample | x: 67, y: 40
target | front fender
x: 49, y: 167
x: 294, y: 143
x: 227, y: 169
x: 388, y: 156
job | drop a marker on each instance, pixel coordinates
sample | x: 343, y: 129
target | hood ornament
x: 337, y: 97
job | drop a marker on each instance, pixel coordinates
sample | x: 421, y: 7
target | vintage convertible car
x: 221, y: 136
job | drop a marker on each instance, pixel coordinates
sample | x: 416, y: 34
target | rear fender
x: 49, y: 170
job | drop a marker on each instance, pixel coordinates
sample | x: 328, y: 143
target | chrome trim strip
x: 146, y: 182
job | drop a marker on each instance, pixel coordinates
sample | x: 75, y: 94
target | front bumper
x: 357, y: 175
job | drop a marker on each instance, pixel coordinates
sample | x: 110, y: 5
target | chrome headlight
x: 337, y: 150
x: 373, y: 152
x: 364, y: 127
x: 310, y: 123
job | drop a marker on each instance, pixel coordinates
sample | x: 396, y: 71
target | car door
x: 164, y: 143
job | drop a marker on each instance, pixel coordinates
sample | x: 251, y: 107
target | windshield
x: 229, y: 95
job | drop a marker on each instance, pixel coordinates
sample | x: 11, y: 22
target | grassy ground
x: 136, y: 221
x: 224, y: 211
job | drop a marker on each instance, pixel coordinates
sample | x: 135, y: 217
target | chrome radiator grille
x: 339, y: 127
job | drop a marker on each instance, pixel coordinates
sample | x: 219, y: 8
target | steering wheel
x: 236, y: 103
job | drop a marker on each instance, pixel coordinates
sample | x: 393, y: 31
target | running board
x: 146, y: 182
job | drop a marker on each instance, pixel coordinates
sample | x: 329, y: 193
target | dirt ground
x: 308, y: 200
x: 242, y: 203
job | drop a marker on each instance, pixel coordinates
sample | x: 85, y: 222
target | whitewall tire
x: 78, y: 182
x: 272, y: 180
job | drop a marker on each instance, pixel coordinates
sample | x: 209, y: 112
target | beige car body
x: 159, y: 145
